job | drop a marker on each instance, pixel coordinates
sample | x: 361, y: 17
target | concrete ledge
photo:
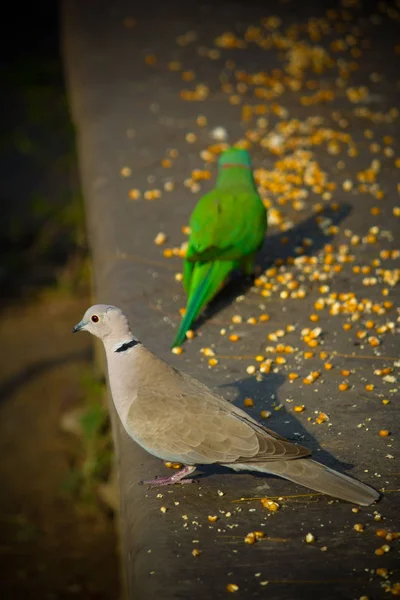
x: 128, y: 114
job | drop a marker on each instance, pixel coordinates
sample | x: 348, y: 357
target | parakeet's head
x: 235, y: 157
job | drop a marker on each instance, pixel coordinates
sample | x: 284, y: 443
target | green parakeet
x: 227, y: 227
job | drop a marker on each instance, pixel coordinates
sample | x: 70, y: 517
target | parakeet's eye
x: 95, y: 318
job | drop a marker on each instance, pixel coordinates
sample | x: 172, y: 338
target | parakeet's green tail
x: 207, y: 278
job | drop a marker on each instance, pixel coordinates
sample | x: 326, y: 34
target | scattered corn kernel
x: 250, y: 538
x: 208, y: 352
x: 160, y: 239
x: 322, y: 418
x: 134, y: 194
x: 381, y: 532
x: 270, y: 504
x: 126, y: 171
x: 265, y: 414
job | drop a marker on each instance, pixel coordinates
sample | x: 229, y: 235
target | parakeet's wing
x: 227, y: 224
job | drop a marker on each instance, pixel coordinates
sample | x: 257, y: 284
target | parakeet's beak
x: 78, y: 327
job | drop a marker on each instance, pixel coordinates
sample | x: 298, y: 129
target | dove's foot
x: 175, y: 478
x: 161, y: 481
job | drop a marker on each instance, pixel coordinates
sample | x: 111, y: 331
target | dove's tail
x: 309, y: 473
x: 206, y: 280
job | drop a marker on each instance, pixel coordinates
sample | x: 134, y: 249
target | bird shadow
x: 265, y: 397
x: 274, y: 249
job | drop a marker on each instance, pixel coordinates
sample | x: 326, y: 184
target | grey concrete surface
x: 128, y: 114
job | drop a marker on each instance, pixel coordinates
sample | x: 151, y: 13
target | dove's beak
x: 78, y: 327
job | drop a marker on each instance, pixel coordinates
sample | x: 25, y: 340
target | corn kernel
x: 270, y: 504
x: 265, y: 414
x: 381, y: 532
x: 160, y: 239
x: 250, y: 538
x: 208, y: 351
x: 322, y: 417
x: 134, y: 194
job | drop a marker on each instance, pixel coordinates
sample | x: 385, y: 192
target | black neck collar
x: 124, y: 347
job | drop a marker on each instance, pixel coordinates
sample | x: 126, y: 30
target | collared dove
x: 176, y: 418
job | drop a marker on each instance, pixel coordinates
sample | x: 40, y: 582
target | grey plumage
x: 177, y: 418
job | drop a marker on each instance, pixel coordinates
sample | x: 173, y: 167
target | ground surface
x: 314, y: 96
x: 53, y: 544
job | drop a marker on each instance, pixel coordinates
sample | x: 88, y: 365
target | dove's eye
x: 95, y: 318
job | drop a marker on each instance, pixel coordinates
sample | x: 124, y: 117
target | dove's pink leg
x: 175, y: 478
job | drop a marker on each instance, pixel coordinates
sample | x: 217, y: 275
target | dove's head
x: 105, y: 321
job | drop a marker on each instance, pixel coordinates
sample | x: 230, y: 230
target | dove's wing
x: 182, y: 420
